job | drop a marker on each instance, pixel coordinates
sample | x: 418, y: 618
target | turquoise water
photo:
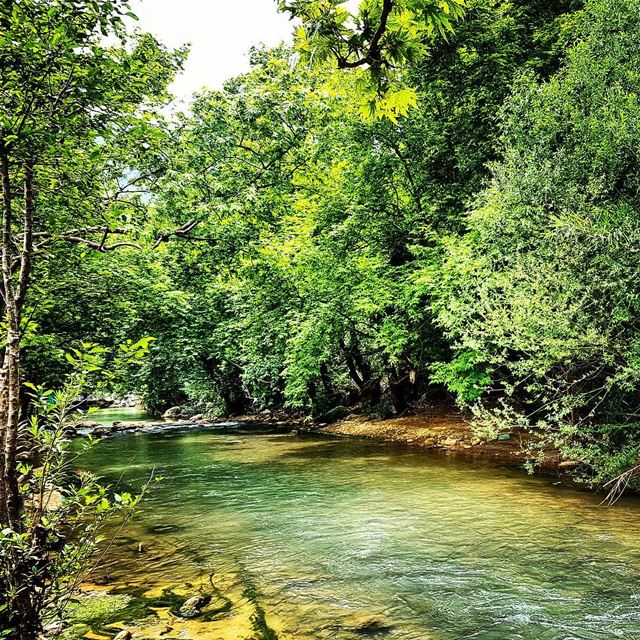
x: 433, y: 547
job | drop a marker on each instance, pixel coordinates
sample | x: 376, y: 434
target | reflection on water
x: 114, y: 414
x: 331, y: 531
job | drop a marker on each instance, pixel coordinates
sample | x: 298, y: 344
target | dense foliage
x: 78, y: 109
x: 429, y: 200
x: 540, y: 297
x: 425, y: 201
x: 304, y: 284
x: 286, y: 252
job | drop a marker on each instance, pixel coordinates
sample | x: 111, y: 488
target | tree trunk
x: 10, y: 375
x: 23, y: 609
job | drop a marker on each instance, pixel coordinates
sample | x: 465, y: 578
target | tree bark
x: 23, y: 609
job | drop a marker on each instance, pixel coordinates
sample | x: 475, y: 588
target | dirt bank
x: 442, y: 428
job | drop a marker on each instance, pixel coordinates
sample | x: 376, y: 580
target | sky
x: 220, y: 32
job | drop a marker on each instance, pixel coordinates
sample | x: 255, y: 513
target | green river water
x: 325, y: 530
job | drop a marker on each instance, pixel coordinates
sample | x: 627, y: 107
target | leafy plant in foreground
x: 43, y: 561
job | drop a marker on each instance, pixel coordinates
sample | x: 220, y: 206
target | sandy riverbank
x: 441, y: 428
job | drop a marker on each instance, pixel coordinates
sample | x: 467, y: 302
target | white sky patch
x: 221, y: 32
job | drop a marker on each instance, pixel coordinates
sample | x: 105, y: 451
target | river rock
x: 101, y: 431
x: 450, y: 442
x: 129, y: 400
x: 365, y: 625
x: 87, y: 424
x: 70, y: 431
x: 126, y: 425
x: 192, y: 607
x: 569, y: 464
x: 125, y: 634
x: 54, y: 629
x: 172, y: 413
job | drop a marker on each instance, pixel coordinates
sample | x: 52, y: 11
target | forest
x: 427, y: 203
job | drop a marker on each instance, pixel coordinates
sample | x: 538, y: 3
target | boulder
x: 172, y: 413
x: 125, y: 634
x: 129, y: 400
x: 192, y: 606
x: 53, y: 500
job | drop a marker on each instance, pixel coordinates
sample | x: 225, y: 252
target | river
x: 331, y: 531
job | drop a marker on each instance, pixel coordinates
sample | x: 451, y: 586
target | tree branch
x: 373, y: 56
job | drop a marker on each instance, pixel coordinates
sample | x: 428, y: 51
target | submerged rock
x: 365, y: 624
x: 166, y: 528
x: 193, y: 606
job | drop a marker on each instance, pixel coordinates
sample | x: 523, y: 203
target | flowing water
x: 335, y: 531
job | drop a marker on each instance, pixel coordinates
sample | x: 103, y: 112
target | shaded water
x: 332, y: 530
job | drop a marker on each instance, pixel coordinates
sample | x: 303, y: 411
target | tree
x: 383, y: 36
x: 66, y: 95
x: 305, y: 286
x: 540, y: 298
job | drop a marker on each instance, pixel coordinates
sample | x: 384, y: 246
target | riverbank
x: 444, y: 428
x: 439, y: 427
